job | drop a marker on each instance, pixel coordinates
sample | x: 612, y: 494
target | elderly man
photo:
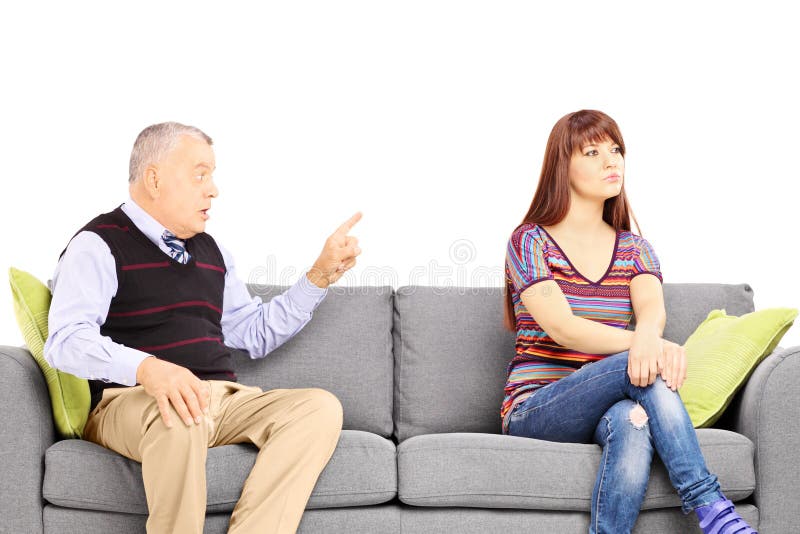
x: 142, y: 295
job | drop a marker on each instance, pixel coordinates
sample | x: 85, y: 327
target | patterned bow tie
x: 176, y: 247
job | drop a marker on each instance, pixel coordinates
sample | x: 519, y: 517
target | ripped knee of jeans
x: 638, y: 417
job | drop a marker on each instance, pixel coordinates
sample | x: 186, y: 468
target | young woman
x: 573, y: 281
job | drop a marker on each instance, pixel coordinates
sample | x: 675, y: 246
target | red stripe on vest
x: 209, y: 266
x: 118, y: 227
x: 167, y: 307
x: 135, y: 266
x: 180, y: 343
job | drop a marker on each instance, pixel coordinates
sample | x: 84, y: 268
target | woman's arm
x: 646, y: 350
x: 647, y: 299
x: 549, y: 307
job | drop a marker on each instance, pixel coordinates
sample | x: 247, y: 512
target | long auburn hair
x: 551, y: 201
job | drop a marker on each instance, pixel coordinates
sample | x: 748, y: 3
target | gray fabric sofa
x: 420, y: 374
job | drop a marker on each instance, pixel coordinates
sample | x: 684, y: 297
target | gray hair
x: 155, y: 142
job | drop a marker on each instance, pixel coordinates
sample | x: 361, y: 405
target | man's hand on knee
x: 170, y: 383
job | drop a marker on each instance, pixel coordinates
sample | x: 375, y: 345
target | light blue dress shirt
x: 85, y: 281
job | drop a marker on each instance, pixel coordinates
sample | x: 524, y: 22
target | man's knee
x: 180, y: 434
x: 326, y: 402
x: 325, y: 406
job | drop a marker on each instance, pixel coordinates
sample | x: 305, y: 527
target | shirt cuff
x: 126, y: 362
x: 306, y: 295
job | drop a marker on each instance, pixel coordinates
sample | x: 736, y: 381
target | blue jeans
x: 594, y: 404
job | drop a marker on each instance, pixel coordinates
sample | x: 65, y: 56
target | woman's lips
x: 612, y: 178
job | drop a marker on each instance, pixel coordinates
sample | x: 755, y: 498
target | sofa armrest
x: 26, y: 431
x: 767, y: 414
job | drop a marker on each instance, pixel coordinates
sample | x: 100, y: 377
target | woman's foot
x: 720, y: 517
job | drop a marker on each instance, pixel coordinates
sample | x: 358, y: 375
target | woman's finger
x: 682, y: 369
x: 670, y: 366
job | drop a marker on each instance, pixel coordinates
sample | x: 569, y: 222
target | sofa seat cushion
x: 499, y: 471
x: 81, y: 474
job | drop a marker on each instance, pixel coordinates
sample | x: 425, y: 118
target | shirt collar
x: 145, y: 222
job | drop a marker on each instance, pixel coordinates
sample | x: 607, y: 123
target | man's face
x: 186, y: 187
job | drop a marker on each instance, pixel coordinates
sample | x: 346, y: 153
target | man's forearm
x: 85, y: 353
x: 259, y: 328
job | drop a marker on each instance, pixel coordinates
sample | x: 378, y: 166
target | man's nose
x: 212, y: 190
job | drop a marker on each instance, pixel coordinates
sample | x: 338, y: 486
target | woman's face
x: 596, y: 170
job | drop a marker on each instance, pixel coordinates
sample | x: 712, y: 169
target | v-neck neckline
x: 610, y: 264
x: 143, y: 238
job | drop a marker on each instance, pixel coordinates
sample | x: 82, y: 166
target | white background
x: 429, y: 117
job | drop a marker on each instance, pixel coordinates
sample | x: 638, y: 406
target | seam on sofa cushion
x: 398, y: 392
x: 503, y: 494
x: 500, y: 449
x: 497, y: 449
x: 520, y: 494
x: 91, y: 501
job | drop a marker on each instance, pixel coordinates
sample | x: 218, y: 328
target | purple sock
x: 723, y: 514
x: 703, y: 511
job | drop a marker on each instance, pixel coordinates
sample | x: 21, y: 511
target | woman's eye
x: 616, y: 149
x: 591, y: 153
x: 200, y: 177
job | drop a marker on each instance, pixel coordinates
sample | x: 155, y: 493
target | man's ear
x: 152, y: 181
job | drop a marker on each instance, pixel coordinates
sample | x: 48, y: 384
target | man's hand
x: 337, y: 256
x: 673, y: 365
x: 644, y: 357
x: 170, y: 383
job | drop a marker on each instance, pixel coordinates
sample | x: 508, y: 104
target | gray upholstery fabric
x: 81, y: 474
x: 481, y: 521
x: 688, y: 305
x: 27, y: 431
x: 359, y: 520
x: 393, y: 519
x: 451, y: 353
x: 497, y: 471
x: 451, y: 341
x: 346, y: 349
x: 768, y: 415
x: 446, y: 375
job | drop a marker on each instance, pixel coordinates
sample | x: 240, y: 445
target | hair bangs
x: 589, y: 127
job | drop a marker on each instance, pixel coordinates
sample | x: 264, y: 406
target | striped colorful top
x: 534, y: 256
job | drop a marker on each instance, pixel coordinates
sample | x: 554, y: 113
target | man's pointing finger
x: 349, y: 223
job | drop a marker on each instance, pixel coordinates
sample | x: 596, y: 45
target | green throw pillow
x: 721, y: 354
x: 69, y: 394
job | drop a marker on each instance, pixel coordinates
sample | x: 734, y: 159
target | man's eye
x: 200, y: 177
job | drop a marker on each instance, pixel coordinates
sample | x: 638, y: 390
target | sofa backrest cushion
x: 450, y: 356
x: 451, y: 350
x: 688, y: 305
x: 346, y: 349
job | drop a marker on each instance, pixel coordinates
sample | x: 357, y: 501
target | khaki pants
x: 296, y: 431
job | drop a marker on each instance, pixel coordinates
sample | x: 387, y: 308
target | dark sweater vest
x: 163, y: 307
